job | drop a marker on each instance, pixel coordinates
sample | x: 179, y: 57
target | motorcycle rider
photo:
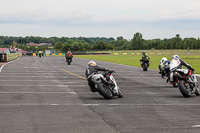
x: 92, y: 69
x: 164, y: 67
x: 144, y: 56
x: 40, y: 54
x: 176, y: 58
x: 68, y: 54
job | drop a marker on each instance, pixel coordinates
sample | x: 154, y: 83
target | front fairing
x: 97, y: 78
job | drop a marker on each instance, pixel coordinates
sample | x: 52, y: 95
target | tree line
x: 64, y: 44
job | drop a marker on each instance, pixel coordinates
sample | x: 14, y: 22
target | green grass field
x: 133, y: 60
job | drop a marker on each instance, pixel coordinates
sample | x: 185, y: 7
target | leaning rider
x: 164, y: 67
x: 183, y: 63
x: 92, y: 69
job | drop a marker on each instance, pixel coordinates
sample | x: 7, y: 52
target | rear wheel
x: 105, y: 91
x: 184, y: 88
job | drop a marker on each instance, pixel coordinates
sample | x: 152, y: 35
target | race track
x: 45, y: 95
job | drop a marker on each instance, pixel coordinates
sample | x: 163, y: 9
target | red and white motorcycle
x: 185, y: 78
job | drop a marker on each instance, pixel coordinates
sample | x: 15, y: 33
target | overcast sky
x: 100, y: 18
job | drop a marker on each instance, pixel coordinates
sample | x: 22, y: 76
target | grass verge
x: 134, y: 60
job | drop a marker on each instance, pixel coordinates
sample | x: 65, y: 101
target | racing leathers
x: 181, y: 63
x: 164, y: 68
x: 90, y: 71
x: 68, y: 55
x: 144, y: 57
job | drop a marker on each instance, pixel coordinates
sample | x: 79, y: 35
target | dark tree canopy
x: 64, y: 44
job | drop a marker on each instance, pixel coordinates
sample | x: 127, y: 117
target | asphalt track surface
x: 45, y: 95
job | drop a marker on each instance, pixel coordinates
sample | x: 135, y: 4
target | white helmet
x: 164, y: 59
x: 92, y: 63
x: 176, y: 57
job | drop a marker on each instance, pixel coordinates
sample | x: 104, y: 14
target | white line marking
x: 38, y: 76
x: 140, y: 77
x: 198, y: 75
x: 54, y: 104
x: 37, y: 92
x: 72, y: 104
x: 8, y: 73
x: 74, y: 82
x: 8, y: 63
x: 196, y: 126
x: 36, y: 85
x: 43, y: 81
x: 28, y: 80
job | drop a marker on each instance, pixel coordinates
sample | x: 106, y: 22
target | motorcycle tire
x: 185, y: 90
x: 120, y: 94
x: 197, y: 92
x: 145, y: 66
x: 69, y: 61
x: 105, y: 91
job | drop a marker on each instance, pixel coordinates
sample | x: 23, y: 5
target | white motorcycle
x: 186, y: 80
x: 107, y: 89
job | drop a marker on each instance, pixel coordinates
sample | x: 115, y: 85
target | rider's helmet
x: 92, y: 63
x: 143, y: 52
x: 163, y: 60
x: 176, y: 57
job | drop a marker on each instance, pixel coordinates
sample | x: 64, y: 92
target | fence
x: 4, y: 57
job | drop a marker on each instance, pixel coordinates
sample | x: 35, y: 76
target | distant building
x: 41, y: 44
x: 45, y: 44
x: 32, y: 44
x: 50, y: 51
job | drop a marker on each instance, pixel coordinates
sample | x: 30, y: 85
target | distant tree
x: 58, y: 46
x: 198, y: 43
x: 1, y: 42
x: 66, y: 47
x: 75, y: 46
x: 177, y: 42
x: 137, y: 41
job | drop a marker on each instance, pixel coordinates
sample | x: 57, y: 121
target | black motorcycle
x: 144, y: 63
x: 69, y: 60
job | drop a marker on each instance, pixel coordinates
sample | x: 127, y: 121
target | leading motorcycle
x: 107, y: 89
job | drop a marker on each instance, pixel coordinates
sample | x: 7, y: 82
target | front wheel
x: 120, y: 95
x: 197, y: 92
x: 145, y: 66
x: 69, y: 61
x: 184, y: 88
x: 105, y: 91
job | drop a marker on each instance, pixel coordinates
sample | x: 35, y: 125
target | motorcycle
x: 69, y: 60
x: 145, y: 64
x: 107, y: 89
x: 164, y: 71
x: 185, y: 79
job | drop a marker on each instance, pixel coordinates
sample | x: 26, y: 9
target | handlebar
x: 110, y: 71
